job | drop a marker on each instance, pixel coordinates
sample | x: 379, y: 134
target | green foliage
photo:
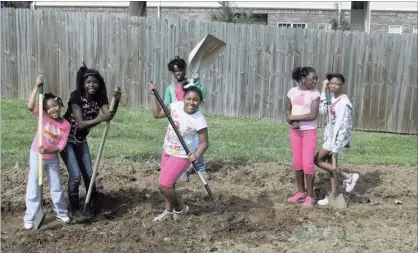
x: 343, y: 23
x: 229, y: 13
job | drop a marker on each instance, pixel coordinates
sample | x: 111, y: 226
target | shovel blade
x: 39, y: 219
x: 40, y: 215
x: 337, y: 201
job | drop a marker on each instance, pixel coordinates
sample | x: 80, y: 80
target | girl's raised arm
x: 157, y: 111
x: 323, y: 107
x: 32, y: 99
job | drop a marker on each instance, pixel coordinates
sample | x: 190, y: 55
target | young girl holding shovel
x: 84, y: 106
x: 54, y: 132
x: 301, y: 112
x: 342, y: 122
x: 174, y: 160
x: 175, y: 92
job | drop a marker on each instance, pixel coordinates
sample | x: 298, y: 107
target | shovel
x: 99, y: 155
x: 205, y: 183
x: 40, y: 214
x: 335, y: 199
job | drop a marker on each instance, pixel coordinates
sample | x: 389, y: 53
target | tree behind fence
x: 249, y: 79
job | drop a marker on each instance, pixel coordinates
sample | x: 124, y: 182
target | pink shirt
x: 301, y: 104
x: 179, y: 92
x: 55, y: 134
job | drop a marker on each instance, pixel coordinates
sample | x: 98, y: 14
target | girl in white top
x: 342, y: 123
x: 174, y: 159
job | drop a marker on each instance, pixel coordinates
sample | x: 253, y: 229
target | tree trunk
x: 138, y: 8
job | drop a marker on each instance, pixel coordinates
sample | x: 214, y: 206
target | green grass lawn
x: 135, y: 135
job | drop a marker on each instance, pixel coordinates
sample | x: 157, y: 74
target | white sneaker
x: 351, y: 183
x: 178, y: 215
x: 28, y: 226
x: 323, y: 202
x: 164, y: 216
x: 63, y: 219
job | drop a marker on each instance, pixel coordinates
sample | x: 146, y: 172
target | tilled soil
x: 381, y: 214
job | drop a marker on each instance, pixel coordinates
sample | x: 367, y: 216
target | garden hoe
x: 335, y: 199
x: 99, y: 155
x: 40, y: 214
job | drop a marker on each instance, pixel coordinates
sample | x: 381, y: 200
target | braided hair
x: 83, y: 73
x: 48, y: 96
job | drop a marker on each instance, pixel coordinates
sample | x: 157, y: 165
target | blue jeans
x: 200, y: 163
x: 52, y: 170
x: 78, y: 161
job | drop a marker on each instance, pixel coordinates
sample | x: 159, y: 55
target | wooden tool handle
x: 40, y: 130
x: 99, y: 155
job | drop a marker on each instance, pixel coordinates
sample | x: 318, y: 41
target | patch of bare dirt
x: 381, y: 217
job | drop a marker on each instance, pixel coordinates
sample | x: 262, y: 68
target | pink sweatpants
x: 303, y: 145
x: 171, y: 169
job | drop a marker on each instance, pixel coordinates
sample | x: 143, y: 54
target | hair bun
x: 296, y: 73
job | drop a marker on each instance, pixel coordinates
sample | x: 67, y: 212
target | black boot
x: 94, y: 208
x: 76, y: 214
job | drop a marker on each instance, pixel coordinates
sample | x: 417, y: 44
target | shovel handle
x: 40, y: 130
x: 99, y: 155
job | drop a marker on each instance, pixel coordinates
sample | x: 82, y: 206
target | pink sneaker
x: 298, y: 197
x: 309, y: 202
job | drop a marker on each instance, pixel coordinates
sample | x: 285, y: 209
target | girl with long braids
x: 84, y: 107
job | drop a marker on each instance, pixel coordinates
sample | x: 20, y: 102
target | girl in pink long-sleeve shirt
x: 55, y: 131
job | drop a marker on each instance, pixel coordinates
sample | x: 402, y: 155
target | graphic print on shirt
x: 299, y: 106
x: 51, y: 133
x: 90, y: 110
x: 175, y: 144
x: 186, y: 128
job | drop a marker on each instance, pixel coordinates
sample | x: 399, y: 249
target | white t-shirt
x: 187, y: 124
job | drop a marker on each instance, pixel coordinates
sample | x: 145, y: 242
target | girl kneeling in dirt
x: 55, y: 132
x: 342, y: 122
x: 301, y: 112
x: 174, y: 160
x: 83, y: 113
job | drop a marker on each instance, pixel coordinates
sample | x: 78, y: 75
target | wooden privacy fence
x: 250, y: 78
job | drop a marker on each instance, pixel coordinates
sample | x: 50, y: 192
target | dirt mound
x: 381, y: 215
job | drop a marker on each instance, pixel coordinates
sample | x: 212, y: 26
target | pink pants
x: 171, y: 169
x: 303, y: 145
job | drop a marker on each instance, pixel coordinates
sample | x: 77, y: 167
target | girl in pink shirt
x: 301, y: 111
x: 55, y: 132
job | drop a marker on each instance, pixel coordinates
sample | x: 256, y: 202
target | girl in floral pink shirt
x: 55, y: 132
